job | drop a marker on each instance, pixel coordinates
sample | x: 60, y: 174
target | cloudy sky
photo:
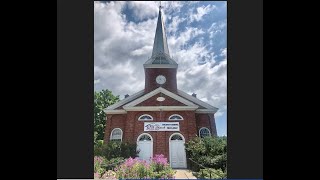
x: 197, y: 36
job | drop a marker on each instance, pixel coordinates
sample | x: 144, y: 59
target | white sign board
x: 161, y: 126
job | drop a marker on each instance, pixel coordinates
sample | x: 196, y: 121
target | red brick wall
x: 114, y: 121
x: 152, y: 73
x: 167, y: 102
x: 204, y: 120
x: 213, y: 125
x: 132, y: 128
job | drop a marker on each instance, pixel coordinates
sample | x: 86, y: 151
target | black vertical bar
x: 244, y: 86
x: 75, y: 89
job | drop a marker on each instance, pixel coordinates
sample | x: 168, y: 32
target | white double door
x: 176, y: 150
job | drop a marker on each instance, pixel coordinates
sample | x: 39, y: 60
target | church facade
x: 160, y: 118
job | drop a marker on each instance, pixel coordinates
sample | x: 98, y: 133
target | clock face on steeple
x: 161, y: 79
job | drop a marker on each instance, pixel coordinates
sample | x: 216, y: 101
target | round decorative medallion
x: 160, y: 99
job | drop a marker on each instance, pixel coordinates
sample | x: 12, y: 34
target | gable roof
x: 125, y: 100
x: 197, y: 101
x: 157, y: 91
x: 130, y: 103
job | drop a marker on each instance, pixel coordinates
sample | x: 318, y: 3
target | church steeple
x: 160, y: 52
x: 160, y: 40
x: 160, y: 69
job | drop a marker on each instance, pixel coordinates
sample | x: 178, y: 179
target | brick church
x: 160, y: 118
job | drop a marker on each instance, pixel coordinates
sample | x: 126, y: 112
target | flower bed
x: 102, y: 167
x: 136, y: 168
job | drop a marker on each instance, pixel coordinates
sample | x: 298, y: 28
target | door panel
x: 145, y: 148
x: 177, y: 154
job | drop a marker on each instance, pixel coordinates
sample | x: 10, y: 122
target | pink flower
x: 160, y: 159
x: 96, y: 175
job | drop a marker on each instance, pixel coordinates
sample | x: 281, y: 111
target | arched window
x: 203, y: 132
x: 176, y: 137
x: 175, y: 117
x: 145, y: 137
x: 145, y: 117
x: 116, y: 135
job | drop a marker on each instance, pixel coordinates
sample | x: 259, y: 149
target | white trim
x: 179, y: 135
x: 157, y: 91
x: 197, y: 101
x: 139, y: 119
x: 124, y: 101
x: 144, y: 134
x: 160, y: 65
x: 117, y: 111
x: 184, y: 148
x: 204, y: 128
x: 205, y: 111
x: 175, y: 119
x: 116, y: 129
x: 162, y: 108
x: 185, y: 99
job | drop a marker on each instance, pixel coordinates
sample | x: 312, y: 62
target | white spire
x: 160, y: 52
x: 160, y: 40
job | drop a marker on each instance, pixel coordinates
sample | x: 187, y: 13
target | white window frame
x: 204, y: 128
x: 113, y: 131
x: 139, y: 119
x: 175, y: 119
x: 144, y: 134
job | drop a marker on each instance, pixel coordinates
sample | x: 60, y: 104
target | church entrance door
x: 177, y: 151
x: 145, y: 147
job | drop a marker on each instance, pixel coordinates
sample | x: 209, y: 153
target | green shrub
x: 211, y: 173
x: 128, y: 150
x: 210, y: 152
x: 115, y: 149
x: 112, y: 163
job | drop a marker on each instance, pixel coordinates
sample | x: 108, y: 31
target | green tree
x: 209, y: 151
x: 102, y: 99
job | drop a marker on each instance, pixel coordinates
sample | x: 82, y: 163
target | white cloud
x: 120, y: 51
x: 142, y: 51
x: 173, y: 26
x: 200, y: 12
x: 223, y: 52
x: 218, y: 114
x: 208, y: 81
x: 178, y: 41
x: 216, y: 28
x: 143, y: 9
x: 121, y: 48
x: 172, y: 6
x: 96, y: 81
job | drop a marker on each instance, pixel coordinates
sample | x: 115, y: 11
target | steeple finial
x: 160, y: 6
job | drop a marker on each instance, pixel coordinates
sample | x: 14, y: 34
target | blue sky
x: 197, y: 36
